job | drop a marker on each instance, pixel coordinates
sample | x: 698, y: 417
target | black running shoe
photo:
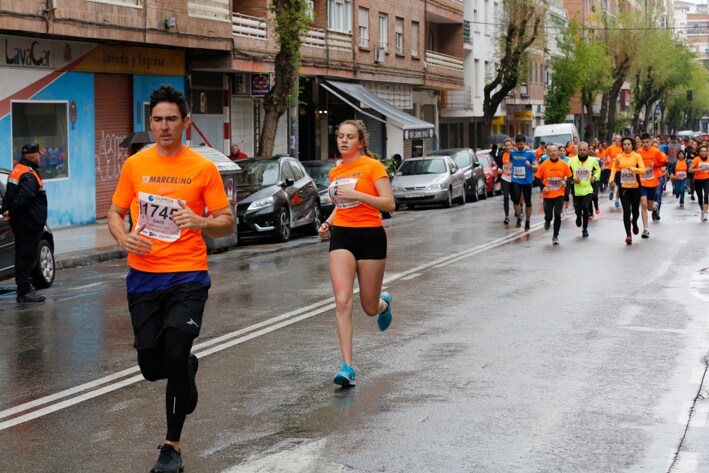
x: 547, y: 225
x: 578, y: 220
x: 584, y: 233
x: 519, y: 223
x: 527, y: 225
x: 194, y: 366
x: 507, y: 220
x: 636, y: 230
x: 169, y: 461
x: 32, y: 296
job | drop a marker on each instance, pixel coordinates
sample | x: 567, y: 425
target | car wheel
x: 43, y: 272
x: 396, y: 206
x: 449, y: 200
x: 411, y: 206
x: 474, y: 197
x: 283, y: 230
x: 483, y: 196
x: 317, y: 220
x: 463, y: 197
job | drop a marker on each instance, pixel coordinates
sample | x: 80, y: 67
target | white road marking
x: 225, y: 341
x: 685, y: 412
x: 699, y: 417
x: 304, y: 458
x: 628, y: 314
x: 411, y: 276
x: 86, y: 286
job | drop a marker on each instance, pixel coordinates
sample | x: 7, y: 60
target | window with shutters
x: 383, y: 31
x: 339, y: 16
x: 44, y: 123
x: 363, y: 23
x: 399, y: 36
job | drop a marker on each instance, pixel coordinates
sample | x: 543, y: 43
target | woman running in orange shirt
x: 629, y: 164
x: 700, y: 170
x: 360, y: 190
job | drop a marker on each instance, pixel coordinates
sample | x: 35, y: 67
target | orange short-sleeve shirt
x: 697, y: 164
x: 189, y: 176
x: 557, y: 172
x: 362, y: 173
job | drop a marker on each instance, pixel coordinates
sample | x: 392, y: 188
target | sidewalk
x: 85, y: 244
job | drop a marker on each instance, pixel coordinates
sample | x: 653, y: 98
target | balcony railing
x: 442, y: 60
x: 248, y: 26
x: 467, y: 36
x: 209, y: 9
x: 315, y: 38
x: 460, y: 99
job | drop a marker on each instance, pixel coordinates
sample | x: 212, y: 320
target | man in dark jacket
x: 25, y: 207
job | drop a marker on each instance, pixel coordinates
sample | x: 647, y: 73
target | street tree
x: 291, y: 23
x: 657, y: 71
x: 622, y: 37
x: 682, y: 114
x: 521, y: 25
x: 564, y: 79
x: 593, y: 66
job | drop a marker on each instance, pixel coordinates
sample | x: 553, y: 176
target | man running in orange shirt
x: 655, y: 162
x: 553, y: 172
x: 166, y: 188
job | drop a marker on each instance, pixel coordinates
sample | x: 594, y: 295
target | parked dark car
x: 276, y: 195
x: 320, y: 172
x: 43, y: 273
x: 492, y: 172
x: 474, y: 174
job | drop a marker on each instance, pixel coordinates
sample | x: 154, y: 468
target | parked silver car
x: 428, y: 180
x: 468, y: 162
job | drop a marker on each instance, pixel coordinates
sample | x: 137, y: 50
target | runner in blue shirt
x: 524, y: 164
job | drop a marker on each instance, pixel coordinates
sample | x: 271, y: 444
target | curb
x: 83, y: 258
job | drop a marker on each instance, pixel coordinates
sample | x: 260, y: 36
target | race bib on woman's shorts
x: 156, y: 213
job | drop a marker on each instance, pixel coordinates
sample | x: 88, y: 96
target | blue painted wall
x: 72, y: 201
x: 143, y: 87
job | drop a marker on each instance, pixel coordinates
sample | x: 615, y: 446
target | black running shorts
x: 521, y: 190
x: 179, y: 307
x: 362, y: 242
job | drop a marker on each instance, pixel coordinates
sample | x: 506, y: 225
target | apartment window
x: 399, y: 36
x: 383, y: 31
x: 414, y: 39
x: 339, y: 16
x: 536, y: 73
x: 44, y: 123
x: 475, y: 21
x: 486, y: 16
x: 363, y: 21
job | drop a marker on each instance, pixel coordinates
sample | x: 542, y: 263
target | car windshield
x: 561, y: 140
x: 422, y: 166
x: 462, y: 159
x: 319, y: 173
x: 258, y: 173
x: 484, y: 160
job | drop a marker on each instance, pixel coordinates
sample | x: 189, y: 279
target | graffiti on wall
x: 110, y: 157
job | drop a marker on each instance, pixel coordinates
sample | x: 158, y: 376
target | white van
x: 558, y: 134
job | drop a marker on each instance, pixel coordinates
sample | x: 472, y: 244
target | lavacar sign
x: 27, y: 53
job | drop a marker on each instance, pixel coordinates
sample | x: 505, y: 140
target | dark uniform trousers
x: 26, y: 243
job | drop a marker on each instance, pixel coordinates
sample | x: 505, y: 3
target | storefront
x: 392, y: 130
x: 78, y: 101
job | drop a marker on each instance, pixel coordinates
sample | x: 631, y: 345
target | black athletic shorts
x: 521, y: 190
x: 362, y: 242
x: 179, y: 307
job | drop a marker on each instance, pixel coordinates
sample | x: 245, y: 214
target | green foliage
x: 681, y: 112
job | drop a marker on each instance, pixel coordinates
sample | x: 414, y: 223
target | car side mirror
x: 288, y: 182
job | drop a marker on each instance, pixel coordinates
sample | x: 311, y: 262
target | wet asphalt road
x: 506, y: 355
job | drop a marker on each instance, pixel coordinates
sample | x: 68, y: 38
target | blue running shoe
x: 617, y: 204
x: 610, y: 196
x: 384, y: 319
x: 346, y: 376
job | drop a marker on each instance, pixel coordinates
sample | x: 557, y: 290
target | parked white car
x: 427, y: 181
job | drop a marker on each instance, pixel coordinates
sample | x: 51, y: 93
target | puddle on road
x: 291, y: 456
x: 700, y: 284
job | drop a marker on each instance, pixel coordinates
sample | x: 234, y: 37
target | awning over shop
x: 414, y: 129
